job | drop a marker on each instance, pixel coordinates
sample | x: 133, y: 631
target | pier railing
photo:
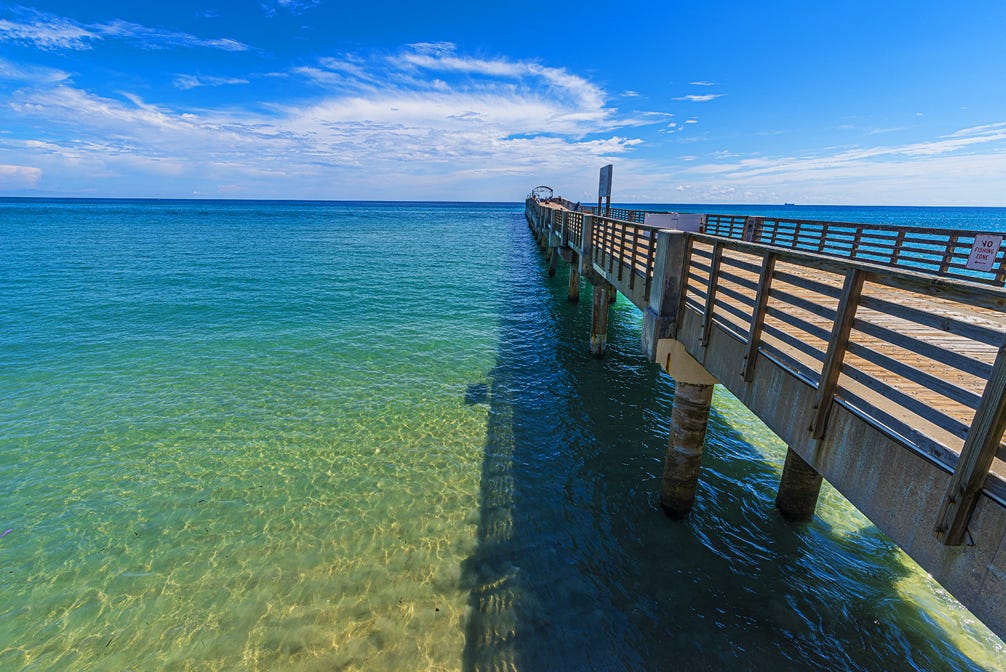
x: 942, y: 252
x: 884, y: 321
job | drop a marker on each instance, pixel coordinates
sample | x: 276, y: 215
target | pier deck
x: 873, y: 352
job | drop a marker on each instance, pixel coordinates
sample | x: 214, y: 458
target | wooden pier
x: 874, y: 352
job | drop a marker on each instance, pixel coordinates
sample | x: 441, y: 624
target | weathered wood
x: 822, y: 288
x: 740, y: 298
x: 924, y: 348
x: 599, y: 319
x: 586, y: 249
x: 651, y: 265
x: 847, y: 304
x: 740, y: 281
x: 758, y: 315
x: 976, y: 457
x: 808, y: 304
x: 707, y: 315
x: 915, y: 375
x: 573, y: 294
x: 964, y: 291
x: 809, y: 328
x: 894, y: 396
x: 959, y: 327
x: 635, y: 252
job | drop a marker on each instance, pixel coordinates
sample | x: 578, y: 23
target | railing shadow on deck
x: 577, y: 568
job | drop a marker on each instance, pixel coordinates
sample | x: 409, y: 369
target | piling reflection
x: 577, y: 567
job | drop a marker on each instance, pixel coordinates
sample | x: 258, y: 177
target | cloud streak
x: 891, y: 174
x: 49, y: 32
x: 704, y: 98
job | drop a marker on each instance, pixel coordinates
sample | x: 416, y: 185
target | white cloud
x: 961, y: 167
x: 705, y: 98
x: 154, y: 38
x: 19, y: 177
x: 292, y: 6
x: 186, y: 82
x: 31, y: 73
x: 49, y: 32
x: 703, y: 83
x: 425, y: 116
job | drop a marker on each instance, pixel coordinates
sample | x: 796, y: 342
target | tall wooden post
x: 586, y: 250
x: 689, y: 418
x: 798, y: 489
x: 574, y: 278
x: 979, y: 450
x: 599, y: 318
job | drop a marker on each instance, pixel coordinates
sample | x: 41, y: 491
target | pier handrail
x: 776, y: 289
x: 882, y: 370
x: 943, y: 252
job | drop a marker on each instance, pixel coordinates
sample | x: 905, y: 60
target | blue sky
x: 854, y: 102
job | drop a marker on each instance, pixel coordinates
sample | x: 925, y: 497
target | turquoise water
x: 316, y: 436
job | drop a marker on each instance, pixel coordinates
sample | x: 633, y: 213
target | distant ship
x: 788, y: 204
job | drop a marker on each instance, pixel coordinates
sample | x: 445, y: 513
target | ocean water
x: 319, y: 436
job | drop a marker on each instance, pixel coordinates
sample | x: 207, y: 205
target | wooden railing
x: 942, y: 252
x: 626, y: 250
x: 921, y: 360
x: 858, y: 313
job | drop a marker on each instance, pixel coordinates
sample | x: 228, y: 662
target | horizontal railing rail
x: 881, y: 320
x: 942, y: 252
x: 916, y: 358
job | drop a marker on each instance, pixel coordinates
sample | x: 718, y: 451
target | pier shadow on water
x: 576, y: 566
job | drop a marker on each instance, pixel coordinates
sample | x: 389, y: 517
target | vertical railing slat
x: 841, y: 330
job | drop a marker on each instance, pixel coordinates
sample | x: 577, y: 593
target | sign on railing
x: 983, y: 252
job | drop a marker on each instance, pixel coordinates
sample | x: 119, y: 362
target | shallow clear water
x: 307, y: 436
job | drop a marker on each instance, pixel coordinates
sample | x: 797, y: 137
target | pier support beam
x: 553, y: 260
x: 599, y: 318
x: 689, y: 418
x: 798, y: 489
x: 574, y: 278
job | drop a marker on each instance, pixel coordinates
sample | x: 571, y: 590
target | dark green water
x: 281, y: 436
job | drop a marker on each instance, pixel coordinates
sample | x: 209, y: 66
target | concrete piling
x: 689, y: 417
x: 798, y: 489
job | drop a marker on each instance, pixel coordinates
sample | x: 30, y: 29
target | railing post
x: 660, y: 319
x: 758, y: 315
x: 573, y: 294
x: 714, y: 276
x: 751, y: 227
x: 586, y: 245
x: 845, y: 315
x: 976, y: 456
